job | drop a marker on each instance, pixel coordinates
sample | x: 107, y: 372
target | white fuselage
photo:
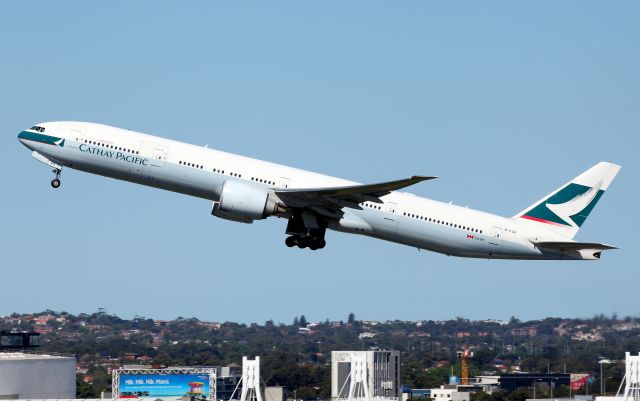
x: 199, y: 171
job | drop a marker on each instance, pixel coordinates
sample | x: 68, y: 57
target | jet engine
x: 244, y: 203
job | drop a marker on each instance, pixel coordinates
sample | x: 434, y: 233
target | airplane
x: 244, y: 189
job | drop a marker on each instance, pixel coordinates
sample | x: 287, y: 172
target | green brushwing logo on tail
x: 570, y: 206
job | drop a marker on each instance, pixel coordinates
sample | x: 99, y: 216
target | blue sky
x: 504, y: 101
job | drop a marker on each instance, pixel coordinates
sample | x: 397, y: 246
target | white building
x: 383, y: 371
x: 449, y: 393
x: 34, y: 376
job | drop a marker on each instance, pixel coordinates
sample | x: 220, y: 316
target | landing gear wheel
x: 290, y: 241
x: 317, y: 243
x: 56, y: 181
x: 303, y: 242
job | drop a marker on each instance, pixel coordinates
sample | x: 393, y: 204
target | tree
x: 352, y: 318
x: 519, y: 394
x: 84, y: 389
x: 481, y: 396
x: 303, y: 321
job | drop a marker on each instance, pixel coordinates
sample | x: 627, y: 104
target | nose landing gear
x: 56, y: 181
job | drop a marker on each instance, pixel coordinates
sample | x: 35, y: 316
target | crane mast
x: 464, y: 356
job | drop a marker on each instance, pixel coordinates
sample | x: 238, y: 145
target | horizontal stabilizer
x: 572, y: 246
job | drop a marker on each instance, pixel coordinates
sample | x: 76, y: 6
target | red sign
x: 578, y: 381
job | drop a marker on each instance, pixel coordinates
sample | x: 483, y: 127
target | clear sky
x: 504, y: 101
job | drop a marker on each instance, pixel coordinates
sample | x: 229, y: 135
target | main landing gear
x: 56, y: 181
x: 306, y: 231
x: 312, y: 243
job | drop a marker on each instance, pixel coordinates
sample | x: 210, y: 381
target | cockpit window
x: 37, y: 128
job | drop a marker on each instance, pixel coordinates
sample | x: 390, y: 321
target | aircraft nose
x: 23, y: 138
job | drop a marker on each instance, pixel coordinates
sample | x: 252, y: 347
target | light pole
x: 535, y: 381
x: 602, y: 362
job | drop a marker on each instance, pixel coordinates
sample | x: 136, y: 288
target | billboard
x: 578, y: 381
x: 183, y: 384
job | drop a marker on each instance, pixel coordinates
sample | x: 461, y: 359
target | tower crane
x: 464, y: 356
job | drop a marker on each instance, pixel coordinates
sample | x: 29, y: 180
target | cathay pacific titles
x: 113, y: 154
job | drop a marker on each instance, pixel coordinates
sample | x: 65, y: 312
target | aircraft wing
x: 573, y: 246
x: 337, y: 197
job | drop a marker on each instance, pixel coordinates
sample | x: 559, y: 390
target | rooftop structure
x: 18, y: 341
x: 31, y: 376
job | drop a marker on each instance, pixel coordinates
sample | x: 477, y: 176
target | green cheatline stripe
x: 36, y: 137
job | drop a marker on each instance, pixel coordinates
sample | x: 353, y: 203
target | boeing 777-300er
x: 244, y: 189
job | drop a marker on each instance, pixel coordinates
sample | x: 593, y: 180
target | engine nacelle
x: 244, y: 203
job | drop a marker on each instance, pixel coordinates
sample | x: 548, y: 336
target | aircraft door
x: 391, y: 209
x: 496, y: 236
x: 390, y: 222
x: 159, y: 154
x: 284, y: 182
x: 154, y: 151
x: 72, y: 132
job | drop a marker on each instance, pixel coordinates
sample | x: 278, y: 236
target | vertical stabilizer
x: 565, y: 210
